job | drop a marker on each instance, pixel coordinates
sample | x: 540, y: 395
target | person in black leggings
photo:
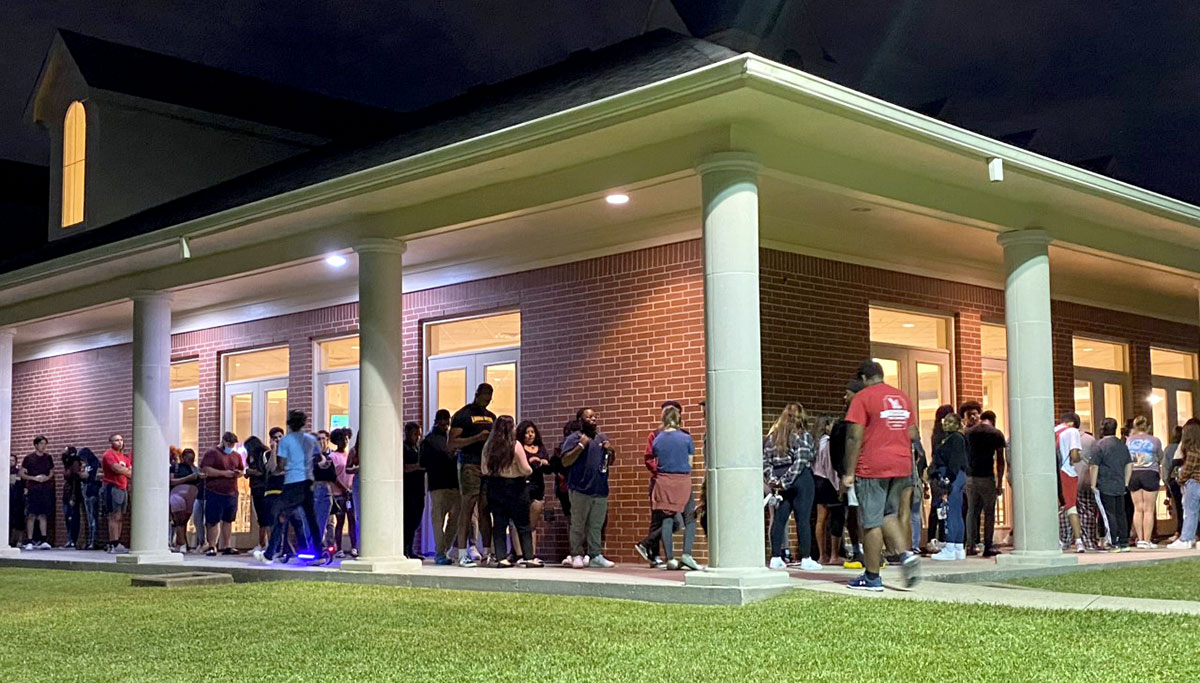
x: 788, y: 455
x: 505, y: 467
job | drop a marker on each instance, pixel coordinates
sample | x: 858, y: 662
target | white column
x: 737, y: 553
x: 1031, y: 399
x: 381, y: 403
x: 6, y: 372
x: 150, y: 483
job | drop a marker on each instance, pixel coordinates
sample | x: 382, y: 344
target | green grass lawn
x: 57, y: 625
x: 1166, y: 581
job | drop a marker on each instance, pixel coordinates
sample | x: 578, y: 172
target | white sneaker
x: 29, y: 546
x: 44, y: 546
x: 946, y: 554
x: 959, y: 552
x: 257, y: 549
x: 808, y: 564
x: 473, y: 554
x: 464, y: 560
x: 566, y: 561
x: 261, y: 557
x: 601, y: 562
x: 1079, y: 546
x: 577, y: 562
x: 1181, y: 545
x: 777, y: 563
x: 119, y: 549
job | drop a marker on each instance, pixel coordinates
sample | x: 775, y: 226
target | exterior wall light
x: 336, y: 260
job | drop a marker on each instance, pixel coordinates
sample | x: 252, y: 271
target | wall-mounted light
x: 617, y: 199
x: 185, y: 248
x: 995, y: 169
x: 336, y: 260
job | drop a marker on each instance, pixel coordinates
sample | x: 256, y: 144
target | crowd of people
x: 856, y: 485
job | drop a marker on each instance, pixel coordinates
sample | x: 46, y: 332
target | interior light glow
x: 336, y: 260
x: 908, y: 325
x: 1154, y: 399
x: 1088, y: 350
x: 617, y: 199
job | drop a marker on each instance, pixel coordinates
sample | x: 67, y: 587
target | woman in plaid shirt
x: 1189, y: 481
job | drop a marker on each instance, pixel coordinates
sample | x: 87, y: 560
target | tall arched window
x: 74, y: 152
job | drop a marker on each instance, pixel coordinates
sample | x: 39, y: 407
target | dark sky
x: 1093, y: 79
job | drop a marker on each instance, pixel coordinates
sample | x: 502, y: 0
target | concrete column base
x: 1036, y: 558
x: 738, y: 578
x: 9, y: 552
x: 382, y: 565
x: 150, y: 557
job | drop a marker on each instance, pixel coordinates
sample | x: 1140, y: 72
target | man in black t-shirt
x: 37, y: 471
x: 469, y: 429
x: 847, y: 515
x: 441, y: 470
x: 985, y: 466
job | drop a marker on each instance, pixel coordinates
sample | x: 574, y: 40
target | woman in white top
x: 505, y: 467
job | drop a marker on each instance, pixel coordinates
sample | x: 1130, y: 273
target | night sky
x: 1113, y: 89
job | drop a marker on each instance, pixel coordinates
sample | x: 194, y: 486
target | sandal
x: 211, y: 552
x: 535, y: 563
x: 505, y: 564
x: 231, y: 551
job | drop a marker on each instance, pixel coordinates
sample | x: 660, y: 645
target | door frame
x: 258, y: 389
x: 178, y: 396
x: 345, y: 376
x: 1098, y: 379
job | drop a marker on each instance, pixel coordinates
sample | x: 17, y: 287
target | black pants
x: 296, y: 496
x: 981, y: 498
x: 1176, y: 495
x: 414, y: 507
x: 71, y: 515
x: 798, y: 501
x: 936, y: 526
x: 508, y: 501
x: 1118, y: 522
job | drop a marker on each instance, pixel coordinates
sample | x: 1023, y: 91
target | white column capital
x: 151, y: 295
x: 9, y: 332
x: 744, y: 162
x: 380, y: 245
x: 1027, y: 236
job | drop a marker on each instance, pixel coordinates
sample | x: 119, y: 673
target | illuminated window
x: 913, y: 330
x: 256, y: 365
x: 74, y: 154
x: 339, y: 354
x: 1101, y: 355
x: 185, y: 374
x: 993, y: 341
x: 337, y: 383
x: 475, y: 334
x: 1164, y: 363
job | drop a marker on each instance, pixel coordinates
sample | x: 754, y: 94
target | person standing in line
x: 72, y: 495
x: 587, y: 455
x: 469, y: 429
x: 950, y: 461
x: 788, y: 455
x: 342, y: 488
x: 185, y: 485
x: 324, y: 477
x: 37, y: 471
x: 256, y: 473
x: 530, y: 439
x: 985, y: 447
x: 561, y: 490
x: 352, y: 460
x: 90, y: 472
x: 879, y: 466
x: 837, y: 458
x: 825, y: 480
x: 441, y: 471
x: 1147, y: 453
x: 671, y: 498
x: 937, y: 492
x: 16, y: 503
x: 222, y: 467
x: 414, y: 488
x: 295, y: 459
x: 1189, y: 480
x: 648, y: 547
x: 1110, y: 469
x: 1172, y: 460
x: 117, y: 466
x: 506, y: 467
x: 1069, y: 445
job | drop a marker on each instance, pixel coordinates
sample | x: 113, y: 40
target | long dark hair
x: 537, y: 434
x: 254, y: 447
x: 498, y: 451
x: 939, y: 434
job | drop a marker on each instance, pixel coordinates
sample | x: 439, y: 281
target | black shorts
x: 1143, y: 480
x: 219, y: 507
x: 262, y: 507
x: 826, y: 492
x: 39, y: 502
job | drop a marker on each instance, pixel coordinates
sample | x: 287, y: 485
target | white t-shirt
x: 1068, y: 440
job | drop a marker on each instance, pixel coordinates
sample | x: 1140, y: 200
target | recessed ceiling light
x: 354, y: 348
x: 1088, y: 350
x: 617, y: 199
x: 908, y: 325
x: 861, y: 209
x: 336, y: 260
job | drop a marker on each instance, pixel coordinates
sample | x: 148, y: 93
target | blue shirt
x: 589, y: 474
x: 297, y: 449
x: 674, y: 452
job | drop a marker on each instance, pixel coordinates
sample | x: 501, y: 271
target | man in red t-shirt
x: 117, y: 466
x: 879, y: 468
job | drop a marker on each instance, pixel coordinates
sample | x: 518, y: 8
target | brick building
x: 661, y: 219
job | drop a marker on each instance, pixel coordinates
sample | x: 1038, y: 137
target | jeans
x: 916, y: 516
x: 198, y: 522
x: 587, y: 522
x: 954, y: 518
x: 981, y: 498
x: 667, y: 525
x: 1118, y: 523
x: 91, y: 507
x: 798, y: 501
x: 1191, y: 508
x: 355, y: 506
x: 71, y: 518
x: 322, y: 504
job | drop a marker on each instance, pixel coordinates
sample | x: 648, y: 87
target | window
x: 914, y: 350
x: 184, y: 429
x: 461, y: 354
x: 73, y: 159
x: 475, y: 334
x: 1101, y: 381
x: 993, y: 346
x: 1172, y: 398
x: 337, y: 384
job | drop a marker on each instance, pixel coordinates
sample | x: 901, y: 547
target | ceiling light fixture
x: 1088, y: 349
x: 336, y: 260
x: 617, y: 199
x: 908, y: 325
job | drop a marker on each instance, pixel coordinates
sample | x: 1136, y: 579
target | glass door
x: 923, y: 375
x: 252, y: 408
x: 185, y: 420
x: 1099, y: 394
x: 337, y: 400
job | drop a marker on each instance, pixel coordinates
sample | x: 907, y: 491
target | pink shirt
x: 344, y: 480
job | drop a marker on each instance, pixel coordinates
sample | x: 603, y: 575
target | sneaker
x: 645, y: 554
x: 853, y: 563
x: 1079, y: 547
x: 442, y: 561
x: 1151, y: 545
x: 464, y: 560
x: 1142, y: 545
x: 1114, y: 549
x: 808, y: 564
x: 44, y: 546
x: 29, y: 546
x: 568, y: 561
x: 257, y: 548
x: 910, y: 569
x: 777, y: 563
x: 577, y: 562
x: 69, y: 546
x: 261, y: 557
x: 959, y: 553
x: 601, y: 562
x: 119, y: 549
x: 657, y: 563
x: 1126, y: 549
x: 473, y: 554
x: 991, y: 552
x: 689, y: 563
x: 862, y: 583
x: 1181, y: 545
x: 673, y: 564
x: 946, y: 554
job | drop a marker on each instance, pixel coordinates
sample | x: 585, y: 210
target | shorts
x: 1144, y: 480
x: 1070, y: 489
x: 39, y: 502
x: 220, y: 507
x: 181, y: 498
x: 470, y: 479
x: 113, y: 499
x: 262, y: 507
x: 879, y: 498
x: 826, y: 492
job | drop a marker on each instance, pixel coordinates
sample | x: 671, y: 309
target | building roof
x: 584, y: 77
x: 162, y: 78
